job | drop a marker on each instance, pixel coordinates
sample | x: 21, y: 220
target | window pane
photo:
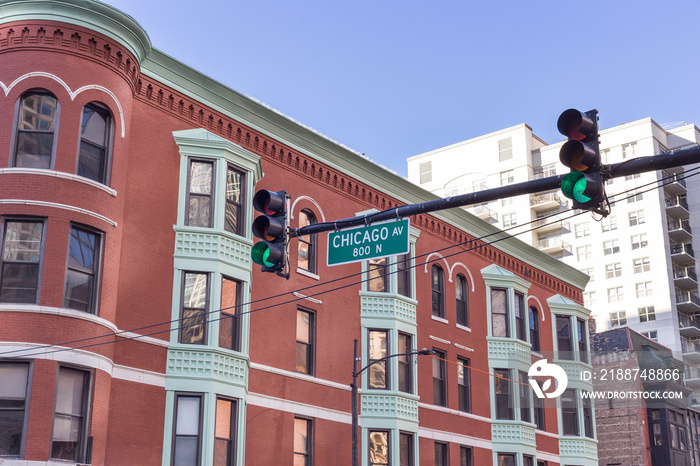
x: 406, y: 449
x: 187, y: 422
x: 192, y: 326
x: 303, y: 326
x: 229, y: 325
x: 377, y: 274
x: 78, y: 293
x: 91, y: 162
x: 37, y: 112
x: 378, y: 448
x: 200, y: 177
x: 69, y: 392
x: 234, y: 200
x: 301, y: 435
x: 13, y: 392
x: 66, y: 435
x: 377, y: 350
x: 185, y: 451
x: 223, y: 418
x: 499, y: 313
x: 19, y: 283
x: 200, y: 211
x: 23, y: 241
x: 222, y: 452
x: 68, y: 416
x: 403, y: 275
x: 34, y: 150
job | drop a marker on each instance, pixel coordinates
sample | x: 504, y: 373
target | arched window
x: 437, y: 286
x: 461, y: 299
x: 534, y: 329
x: 95, y: 142
x: 307, y: 243
x: 37, y: 121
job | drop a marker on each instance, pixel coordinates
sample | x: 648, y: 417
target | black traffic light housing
x: 271, y: 253
x: 581, y: 153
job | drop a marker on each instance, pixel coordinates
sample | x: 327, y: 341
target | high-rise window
x: 534, y: 328
x: 21, y: 260
x: 644, y: 289
x: 461, y: 298
x: 305, y: 342
x: 82, y: 273
x: 503, y: 391
x: 13, y: 407
x: 306, y: 258
x: 637, y: 218
x: 95, y: 141
x: 507, y: 177
x: 646, y: 314
x: 564, y: 338
x: 505, y: 149
x: 37, y: 122
x: 437, y: 287
x: 425, y: 170
x: 200, y: 184
x: 234, y: 218
x: 639, y: 241
x: 641, y: 265
x: 303, y: 445
x: 405, y: 383
x: 618, y: 318
x: 439, y: 379
x: 187, y: 430
x: 582, y: 230
x: 378, y: 375
x: 379, y: 448
x: 611, y: 247
x: 193, y: 313
x: 69, y: 420
x: 616, y: 294
x: 225, y: 432
x: 584, y: 252
x: 230, y: 322
x: 500, y: 327
x: 520, y: 324
x: 463, y: 385
x: 378, y: 271
x: 609, y: 223
x: 613, y: 270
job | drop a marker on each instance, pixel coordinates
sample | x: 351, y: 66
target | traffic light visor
x: 269, y: 202
x: 578, y: 156
x: 576, y: 125
x: 268, y: 255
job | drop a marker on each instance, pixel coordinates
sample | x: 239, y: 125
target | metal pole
x: 355, y: 457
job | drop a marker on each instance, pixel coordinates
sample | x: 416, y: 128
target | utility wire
x: 635, y: 191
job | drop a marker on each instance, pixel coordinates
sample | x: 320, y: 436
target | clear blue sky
x: 393, y: 79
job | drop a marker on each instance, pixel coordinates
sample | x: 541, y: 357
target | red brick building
x: 134, y: 328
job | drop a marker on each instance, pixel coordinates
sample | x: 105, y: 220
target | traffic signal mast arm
x: 629, y: 167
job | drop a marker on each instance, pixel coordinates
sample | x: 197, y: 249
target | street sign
x: 359, y: 244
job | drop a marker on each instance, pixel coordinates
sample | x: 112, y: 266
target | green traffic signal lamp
x: 271, y: 227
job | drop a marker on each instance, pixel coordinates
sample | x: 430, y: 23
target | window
x: 200, y: 185
x: 37, y: 122
x: 510, y: 220
x: 21, y: 260
x: 405, y: 367
x: 195, y: 302
x: 609, y: 223
x: 95, y: 139
x: 615, y: 294
x: 613, y: 270
x: 463, y: 385
x: 307, y: 243
x: 404, y: 275
x: 437, y: 286
x: 637, y: 218
x: 644, y: 289
x: 506, y: 459
x: 378, y: 448
x: 462, y: 305
x: 234, y: 218
x: 305, y: 342
x: 611, y: 247
x: 187, y: 432
x: 439, y: 379
x: 584, y: 252
x: 653, y: 335
x: 582, y: 335
x: 524, y: 390
x: 302, y: 442
x: 618, y: 318
x: 545, y: 171
x: 425, y: 172
x: 534, y: 328
x: 378, y: 275
x: 465, y: 456
x: 504, y: 394
x: 633, y: 176
x: 520, y: 317
x: 69, y: 421
x: 539, y: 412
x: 505, y: 149
x: 406, y: 449
x: 441, y: 456
x: 378, y: 374
x: 13, y: 404
x: 225, y: 432
x: 564, y: 338
x: 582, y: 230
x: 507, y: 177
x: 589, y: 298
x: 528, y: 460
x: 230, y: 322
x: 641, y: 265
x: 569, y: 412
x: 629, y: 150
x: 587, y: 418
x: 635, y: 196
x: 647, y: 314
x: 639, y: 241
x: 82, y: 277
x: 500, y: 326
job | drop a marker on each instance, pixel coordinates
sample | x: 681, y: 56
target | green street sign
x: 359, y: 244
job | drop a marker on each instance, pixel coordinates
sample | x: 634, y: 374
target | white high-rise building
x: 640, y: 257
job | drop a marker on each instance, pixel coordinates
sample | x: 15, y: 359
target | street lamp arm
x: 419, y: 352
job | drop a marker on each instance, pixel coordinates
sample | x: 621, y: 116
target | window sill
x: 306, y: 273
x: 439, y: 319
x: 466, y: 329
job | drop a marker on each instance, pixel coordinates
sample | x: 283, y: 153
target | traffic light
x: 271, y: 227
x: 584, y: 184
